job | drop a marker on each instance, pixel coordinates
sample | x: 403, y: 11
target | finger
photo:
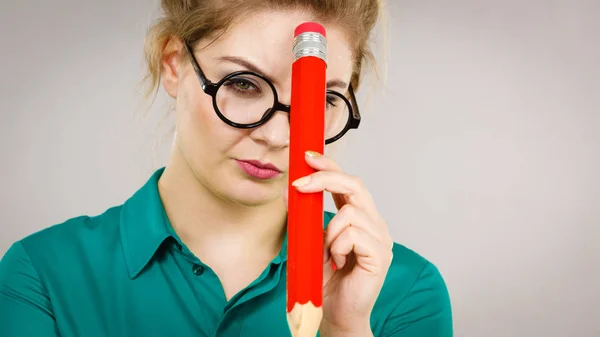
x: 331, y: 181
x: 351, y: 187
x: 370, y: 254
x: 324, y: 163
x: 353, y: 216
x: 356, y: 186
x: 321, y: 162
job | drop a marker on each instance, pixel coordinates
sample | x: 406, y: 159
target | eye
x: 331, y: 101
x: 246, y: 86
x: 243, y: 84
x: 240, y: 84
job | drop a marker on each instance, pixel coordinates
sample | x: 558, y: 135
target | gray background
x: 481, y: 148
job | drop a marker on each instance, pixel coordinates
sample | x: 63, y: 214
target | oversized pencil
x: 305, y: 210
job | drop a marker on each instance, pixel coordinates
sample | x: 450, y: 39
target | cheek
x: 200, y: 126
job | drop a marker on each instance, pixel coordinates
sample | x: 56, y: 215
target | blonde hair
x: 193, y: 20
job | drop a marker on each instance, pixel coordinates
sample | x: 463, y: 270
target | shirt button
x: 197, y: 269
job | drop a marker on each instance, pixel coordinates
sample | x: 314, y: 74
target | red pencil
x: 305, y: 210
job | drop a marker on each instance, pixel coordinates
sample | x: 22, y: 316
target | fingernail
x: 333, y: 266
x: 301, y: 182
x: 313, y: 154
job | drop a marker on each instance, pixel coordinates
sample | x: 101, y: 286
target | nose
x: 275, y: 133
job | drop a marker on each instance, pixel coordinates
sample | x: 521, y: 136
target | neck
x: 203, y: 219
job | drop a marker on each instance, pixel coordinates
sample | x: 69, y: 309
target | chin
x: 252, y: 193
x: 254, y: 200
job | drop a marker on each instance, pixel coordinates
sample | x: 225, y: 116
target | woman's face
x: 217, y: 153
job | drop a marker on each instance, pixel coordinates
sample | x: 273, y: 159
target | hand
x: 356, y: 241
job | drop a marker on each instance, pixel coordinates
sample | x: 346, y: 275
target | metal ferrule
x: 310, y: 44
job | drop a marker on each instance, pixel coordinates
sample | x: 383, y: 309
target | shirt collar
x: 144, y: 225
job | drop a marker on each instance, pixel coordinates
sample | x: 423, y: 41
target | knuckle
x: 357, y: 183
x: 348, y: 210
x: 352, y: 233
x: 335, y: 248
x: 316, y: 176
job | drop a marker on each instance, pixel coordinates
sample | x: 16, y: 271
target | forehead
x: 266, y: 39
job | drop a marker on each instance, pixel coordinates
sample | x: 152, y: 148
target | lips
x: 262, y: 165
x: 259, y: 170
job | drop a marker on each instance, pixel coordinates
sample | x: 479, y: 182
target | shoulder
x: 409, y: 271
x: 48, y: 256
x: 75, y: 233
x: 414, y: 298
x: 54, y: 248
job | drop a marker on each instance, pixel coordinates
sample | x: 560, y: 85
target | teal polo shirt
x: 127, y: 273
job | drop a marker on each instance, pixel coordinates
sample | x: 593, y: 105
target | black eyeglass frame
x: 211, y: 89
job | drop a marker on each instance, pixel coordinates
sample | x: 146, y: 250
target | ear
x: 171, y: 66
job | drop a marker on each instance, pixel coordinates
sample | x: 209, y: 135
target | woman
x: 200, y: 249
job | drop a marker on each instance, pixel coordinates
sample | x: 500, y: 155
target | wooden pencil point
x: 304, y: 320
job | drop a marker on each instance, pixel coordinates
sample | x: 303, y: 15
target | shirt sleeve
x: 25, y: 308
x: 425, y: 311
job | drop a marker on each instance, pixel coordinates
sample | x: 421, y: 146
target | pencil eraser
x: 311, y: 27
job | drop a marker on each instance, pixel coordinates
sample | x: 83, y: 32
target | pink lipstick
x: 258, y: 170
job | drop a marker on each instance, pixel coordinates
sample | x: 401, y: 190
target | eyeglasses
x: 245, y: 99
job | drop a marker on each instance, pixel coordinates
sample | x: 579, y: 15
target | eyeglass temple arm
x: 204, y: 81
x: 355, y: 110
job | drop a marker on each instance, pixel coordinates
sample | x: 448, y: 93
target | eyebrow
x: 337, y: 83
x: 253, y: 68
x: 244, y: 63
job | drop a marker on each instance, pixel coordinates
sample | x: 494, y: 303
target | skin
x: 212, y: 203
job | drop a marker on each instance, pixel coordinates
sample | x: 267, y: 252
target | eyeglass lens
x: 247, y: 99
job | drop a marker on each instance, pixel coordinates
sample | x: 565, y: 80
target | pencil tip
x: 304, y: 319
